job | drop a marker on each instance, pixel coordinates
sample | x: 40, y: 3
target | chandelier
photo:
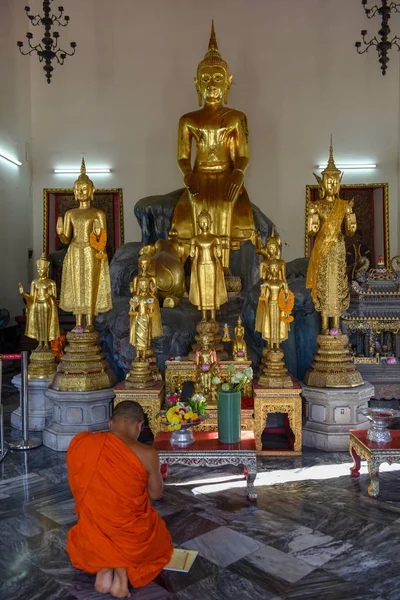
x: 48, y: 49
x: 384, y: 44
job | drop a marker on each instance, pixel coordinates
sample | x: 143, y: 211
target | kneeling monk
x: 112, y: 476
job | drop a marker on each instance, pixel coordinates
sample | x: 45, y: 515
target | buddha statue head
x: 204, y: 221
x: 273, y: 245
x: 329, y: 184
x: 144, y: 262
x: 143, y: 285
x: 83, y: 186
x: 213, y: 79
x: 42, y: 266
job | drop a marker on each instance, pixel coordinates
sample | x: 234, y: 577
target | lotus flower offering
x: 380, y: 419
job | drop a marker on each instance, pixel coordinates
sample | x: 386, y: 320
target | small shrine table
x: 374, y: 453
x: 208, y: 452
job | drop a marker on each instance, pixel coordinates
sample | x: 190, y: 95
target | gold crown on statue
x: 331, y: 168
x: 213, y: 57
x: 274, y: 238
x: 83, y: 178
x: 42, y: 262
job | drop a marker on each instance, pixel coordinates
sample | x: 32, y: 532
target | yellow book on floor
x: 181, y: 560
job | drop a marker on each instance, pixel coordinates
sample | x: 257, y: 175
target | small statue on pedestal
x: 85, y: 291
x: 145, y: 325
x: 207, y: 283
x: 206, y: 363
x: 41, y: 320
x: 328, y: 281
x: 239, y: 348
x: 272, y: 320
x: 226, y: 337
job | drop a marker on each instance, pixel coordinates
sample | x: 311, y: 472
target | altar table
x: 374, y: 453
x: 208, y: 452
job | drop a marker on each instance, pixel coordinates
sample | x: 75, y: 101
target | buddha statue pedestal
x: 83, y: 367
x: 331, y: 413
x: 333, y: 366
x: 211, y: 329
x: 80, y: 392
x: 42, y: 364
x: 40, y: 407
x: 151, y: 400
x: 74, y: 412
x: 140, y: 376
x: 273, y: 371
x: 275, y: 400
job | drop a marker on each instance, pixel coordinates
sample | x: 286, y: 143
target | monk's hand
x: 233, y: 184
x: 192, y: 183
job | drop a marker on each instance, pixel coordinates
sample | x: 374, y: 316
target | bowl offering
x: 380, y: 419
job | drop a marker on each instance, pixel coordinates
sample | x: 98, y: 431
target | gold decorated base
x: 212, y: 330
x: 152, y: 360
x: 83, y: 367
x: 273, y: 371
x: 233, y: 285
x: 140, y: 376
x: 333, y: 365
x: 42, y: 364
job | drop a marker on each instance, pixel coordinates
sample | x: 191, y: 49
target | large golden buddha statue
x: 215, y: 182
x: 85, y: 286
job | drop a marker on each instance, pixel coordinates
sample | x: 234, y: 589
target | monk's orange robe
x: 117, y: 526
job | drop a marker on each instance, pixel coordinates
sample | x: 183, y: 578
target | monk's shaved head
x: 128, y: 410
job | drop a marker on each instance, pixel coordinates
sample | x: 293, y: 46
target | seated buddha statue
x: 215, y: 182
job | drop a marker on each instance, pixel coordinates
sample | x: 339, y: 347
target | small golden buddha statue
x: 328, y: 281
x: 326, y: 274
x: 207, y: 283
x: 215, y: 182
x: 239, y: 348
x: 271, y: 249
x: 41, y: 320
x: 145, y: 325
x: 226, y: 337
x: 85, y: 286
x: 206, y: 363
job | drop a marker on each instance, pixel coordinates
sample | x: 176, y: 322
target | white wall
x: 15, y: 182
x: 296, y: 74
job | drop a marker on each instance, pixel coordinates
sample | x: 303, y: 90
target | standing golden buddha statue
x: 41, y: 320
x: 273, y: 316
x: 85, y: 291
x: 85, y: 286
x: 205, y: 363
x: 328, y: 281
x: 215, y: 182
x: 145, y: 325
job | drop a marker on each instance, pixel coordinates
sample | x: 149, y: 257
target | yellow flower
x: 194, y: 417
x: 176, y: 427
x: 188, y: 415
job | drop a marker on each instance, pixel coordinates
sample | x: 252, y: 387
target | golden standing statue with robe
x: 85, y: 286
x: 327, y: 279
x: 207, y: 283
x: 41, y: 320
x: 215, y: 182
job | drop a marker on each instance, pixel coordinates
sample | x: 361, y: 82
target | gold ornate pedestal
x: 83, y: 367
x: 183, y: 370
x: 333, y: 365
x: 211, y: 329
x: 151, y: 400
x: 140, y: 376
x: 42, y: 364
x: 273, y: 371
x: 284, y: 400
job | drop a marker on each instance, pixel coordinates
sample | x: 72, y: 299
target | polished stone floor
x: 313, y: 533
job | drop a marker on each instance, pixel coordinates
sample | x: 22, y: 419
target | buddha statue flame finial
x: 83, y: 178
x: 212, y: 57
x: 331, y: 168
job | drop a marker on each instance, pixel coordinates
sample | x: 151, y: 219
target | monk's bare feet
x: 104, y: 579
x: 119, y: 587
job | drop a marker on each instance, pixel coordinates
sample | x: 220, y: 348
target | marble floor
x: 313, y: 533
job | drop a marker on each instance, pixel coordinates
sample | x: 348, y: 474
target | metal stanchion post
x: 3, y: 451
x: 25, y: 443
